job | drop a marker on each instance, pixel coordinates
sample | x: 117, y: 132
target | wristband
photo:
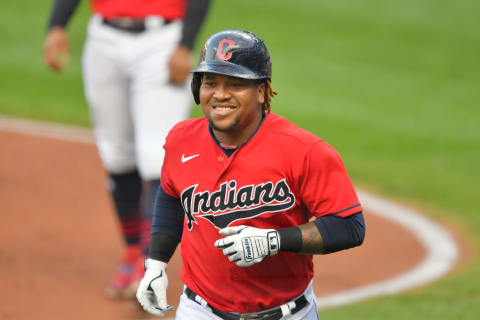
x: 290, y: 239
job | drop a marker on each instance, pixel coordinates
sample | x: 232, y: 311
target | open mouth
x: 216, y: 107
x: 223, y: 110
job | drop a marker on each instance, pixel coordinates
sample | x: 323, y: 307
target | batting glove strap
x: 273, y: 242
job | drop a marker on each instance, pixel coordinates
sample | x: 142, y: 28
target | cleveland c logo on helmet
x: 230, y: 43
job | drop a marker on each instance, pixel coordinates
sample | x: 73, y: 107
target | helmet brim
x: 228, y: 69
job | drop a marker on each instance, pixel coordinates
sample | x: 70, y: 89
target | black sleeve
x: 167, y: 226
x: 61, y: 12
x: 194, y: 17
x: 341, y: 233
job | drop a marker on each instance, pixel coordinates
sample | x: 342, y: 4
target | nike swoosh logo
x: 185, y: 159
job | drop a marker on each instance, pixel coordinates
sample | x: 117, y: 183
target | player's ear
x: 261, y: 92
x: 195, y: 86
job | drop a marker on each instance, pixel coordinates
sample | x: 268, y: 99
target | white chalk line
x: 442, y: 252
x: 47, y: 130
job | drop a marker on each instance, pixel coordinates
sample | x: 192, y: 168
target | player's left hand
x: 152, y: 291
x: 248, y: 245
x: 180, y: 65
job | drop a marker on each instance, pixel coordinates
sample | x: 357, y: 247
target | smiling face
x: 232, y: 106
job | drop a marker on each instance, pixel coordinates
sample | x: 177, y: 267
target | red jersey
x: 169, y: 9
x: 282, y: 177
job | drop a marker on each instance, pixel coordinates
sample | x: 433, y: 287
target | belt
x: 132, y: 25
x: 270, y: 314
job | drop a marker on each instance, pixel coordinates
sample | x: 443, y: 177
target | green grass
x: 27, y: 88
x: 392, y: 85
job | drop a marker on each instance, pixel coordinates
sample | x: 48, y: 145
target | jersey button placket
x: 223, y: 164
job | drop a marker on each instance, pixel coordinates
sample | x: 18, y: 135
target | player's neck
x: 229, y: 139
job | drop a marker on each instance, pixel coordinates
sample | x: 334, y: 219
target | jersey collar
x: 229, y: 151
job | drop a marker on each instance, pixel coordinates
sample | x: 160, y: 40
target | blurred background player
x: 136, y: 63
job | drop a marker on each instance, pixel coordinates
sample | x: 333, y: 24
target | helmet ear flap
x: 195, y: 85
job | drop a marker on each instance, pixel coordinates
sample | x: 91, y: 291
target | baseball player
x: 136, y: 62
x: 250, y: 195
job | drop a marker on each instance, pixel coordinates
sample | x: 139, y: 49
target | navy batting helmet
x: 236, y: 53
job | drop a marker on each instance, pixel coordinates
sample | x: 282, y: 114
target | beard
x: 231, y: 128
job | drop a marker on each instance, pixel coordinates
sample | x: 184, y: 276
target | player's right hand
x: 55, y: 50
x: 152, y: 291
x: 246, y: 246
x: 180, y: 64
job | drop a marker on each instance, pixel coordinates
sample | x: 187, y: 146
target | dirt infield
x: 60, y: 241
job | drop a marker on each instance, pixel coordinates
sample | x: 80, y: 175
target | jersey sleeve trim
x: 167, y: 191
x: 345, y: 211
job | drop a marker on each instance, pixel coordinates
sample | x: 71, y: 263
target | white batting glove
x: 248, y: 245
x: 152, y: 291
